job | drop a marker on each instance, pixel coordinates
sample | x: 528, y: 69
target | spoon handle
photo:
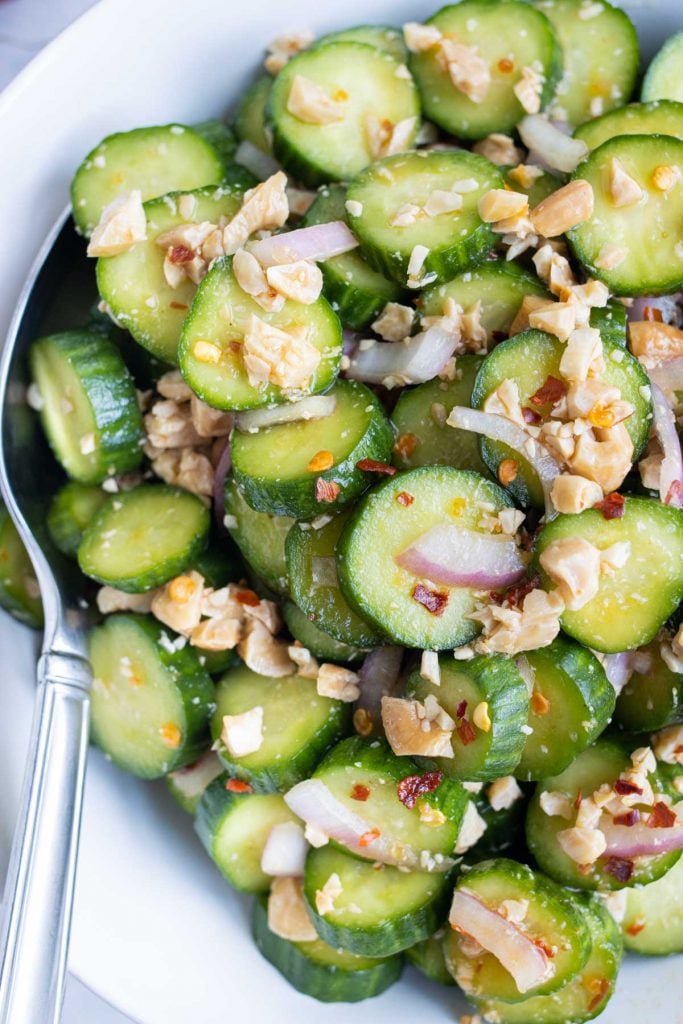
x: 39, y: 889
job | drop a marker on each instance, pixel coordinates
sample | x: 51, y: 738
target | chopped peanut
x: 311, y: 103
x: 217, y: 634
x: 504, y: 401
x: 499, y: 149
x: 325, y: 897
x: 528, y: 90
x: 668, y: 745
x: 121, y: 225
x: 386, y: 138
x: 429, y: 667
x: 558, y: 319
x: 605, y: 458
x: 251, y: 277
x: 572, y: 494
x: 665, y: 177
x: 564, y: 209
x: 653, y: 341
x: 185, y: 467
x: 394, y: 322
x: 262, y: 653
x: 624, y: 190
x: 500, y: 204
x: 287, y: 914
x: 472, y: 829
x: 410, y: 731
x: 178, y: 604
x: 243, y: 734
x: 206, y: 352
x: 338, y: 683
x: 419, y: 38
x: 611, y: 256
x: 530, y: 303
x: 264, y: 208
x: 467, y: 70
x: 583, y: 354
x: 442, y: 201
x: 503, y: 793
x: 278, y: 357
x: 284, y: 47
x: 169, y: 425
x: 171, y: 385
x: 583, y: 845
x: 556, y: 805
x: 207, y: 421
x: 111, y: 600
x: 513, y: 630
x: 574, y: 565
x: 301, y: 281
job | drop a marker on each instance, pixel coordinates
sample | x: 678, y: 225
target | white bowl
x: 157, y: 932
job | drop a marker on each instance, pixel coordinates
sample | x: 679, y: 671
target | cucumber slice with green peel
x: 571, y: 696
x: 456, y: 241
x: 599, y: 764
x: 187, y: 784
x: 658, y: 117
x: 493, y: 680
x: 383, y: 37
x: 529, y: 359
x: 364, y: 776
x: 504, y: 835
x: 144, y: 537
x: 219, y: 136
x: 652, y: 697
x: 653, y: 923
x: 364, y: 83
x: 428, y: 957
x: 611, y: 320
x: 70, y: 513
x: 313, y: 638
x: 583, y: 997
x: 90, y: 411
x: 320, y: 971
x: 380, y: 910
x: 509, y: 36
x: 259, y: 536
x: 219, y: 563
x: 307, y: 467
x: 133, y: 283
x: 250, y: 123
x: 151, y: 160
x: 356, y: 292
x: 220, y: 312
x: 19, y: 591
x: 647, y: 230
x: 663, y: 79
x: 315, y: 587
x: 499, y: 286
x: 150, y: 702
x: 600, y: 55
x: 554, y: 917
x: 385, y: 523
x: 419, y: 416
x: 299, y: 726
x: 234, y: 828
x: 636, y: 601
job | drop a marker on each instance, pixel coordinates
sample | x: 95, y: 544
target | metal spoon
x: 38, y: 895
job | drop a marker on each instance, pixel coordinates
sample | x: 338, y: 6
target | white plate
x: 157, y: 932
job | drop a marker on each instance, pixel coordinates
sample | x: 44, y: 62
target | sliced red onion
x: 641, y: 841
x: 550, y: 147
x: 261, y: 164
x: 668, y: 306
x: 350, y: 340
x: 668, y: 375
x: 319, y: 242
x: 458, y: 557
x: 324, y: 571
x: 519, y: 955
x: 498, y: 428
x: 313, y: 802
x: 526, y: 671
x: 314, y: 407
x: 414, y: 361
x: 618, y: 668
x: 284, y: 853
x: 378, y: 677
x: 223, y: 467
x: 671, y: 472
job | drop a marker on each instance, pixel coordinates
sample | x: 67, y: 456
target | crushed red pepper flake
x: 545, y: 948
x: 599, y: 987
x: 405, y: 445
x: 375, y: 466
x: 578, y: 801
x: 247, y: 597
x: 466, y: 732
x: 629, y: 819
x: 434, y: 601
x: 178, y: 305
x: 612, y: 506
x: 661, y: 817
x: 549, y: 392
x: 360, y: 792
x: 653, y: 313
x: 237, y: 786
x: 530, y: 415
x: 413, y: 786
x: 514, y: 596
x: 369, y: 837
x: 461, y: 709
x: 326, y: 490
x: 405, y: 499
x: 636, y: 928
x: 624, y: 788
x: 180, y: 254
x: 675, y: 491
x: 619, y: 868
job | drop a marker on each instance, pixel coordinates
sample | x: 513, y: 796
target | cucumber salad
x: 372, y: 472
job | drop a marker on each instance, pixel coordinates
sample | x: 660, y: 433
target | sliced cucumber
x: 133, y: 283
x: 659, y: 117
x: 553, y: 916
x: 647, y: 230
x: 363, y: 81
x: 636, y: 601
x: 495, y: 681
x: 504, y: 835
x: 90, y: 411
x: 529, y: 359
x: 219, y: 136
x: 509, y: 36
x: 259, y: 536
x: 71, y: 512
x: 299, y: 726
x: 371, y: 766
x: 188, y: 784
x: 19, y: 593
x: 383, y: 37
x: 380, y: 910
x: 152, y: 160
x: 653, y: 697
x: 316, y: 969
x: 306, y: 467
x: 221, y: 311
x: 456, y: 241
x: 427, y: 956
x: 315, y: 586
x: 586, y: 995
x: 663, y: 79
x: 234, y: 828
x: 219, y: 563
x: 144, y: 537
x: 571, y: 696
x: 310, y: 635
x: 250, y: 123
x: 653, y: 923
x: 601, y: 763
x: 356, y: 292
x: 419, y: 416
x: 150, y: 703
x: 611, y: 320
x: 600, y: 55
x: 385, y: 522
x: 499, y: 286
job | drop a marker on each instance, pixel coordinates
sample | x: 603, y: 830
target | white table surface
x: 26, y: 26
